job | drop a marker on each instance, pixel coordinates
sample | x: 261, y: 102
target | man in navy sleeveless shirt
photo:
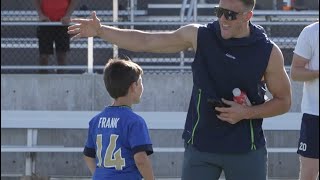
x: 229, y: 53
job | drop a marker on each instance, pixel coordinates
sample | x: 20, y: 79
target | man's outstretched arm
x: 135, y: 40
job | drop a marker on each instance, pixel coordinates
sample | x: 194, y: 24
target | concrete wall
x: 163, y: 92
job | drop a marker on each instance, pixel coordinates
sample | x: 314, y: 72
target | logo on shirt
x: 230, y: 56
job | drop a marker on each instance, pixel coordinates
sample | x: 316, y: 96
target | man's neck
x: 245, y: 31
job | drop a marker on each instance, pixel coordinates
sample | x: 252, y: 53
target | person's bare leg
x: 309, y: 168
x: 61, y: 59
x: 43, y: 61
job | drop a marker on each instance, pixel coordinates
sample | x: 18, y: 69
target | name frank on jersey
x: 105, y: 122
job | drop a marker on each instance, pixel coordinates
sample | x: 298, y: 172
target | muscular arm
x: 91, y: 163
x: 278, y: 84
x: 159, y: 42
x: 144, y: 165
x: 135, y: 40
x: 299, y: 72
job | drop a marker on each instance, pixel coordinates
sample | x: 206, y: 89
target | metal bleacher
x: 283, y: 27
x: 159, y: 123
x: 32, y: 16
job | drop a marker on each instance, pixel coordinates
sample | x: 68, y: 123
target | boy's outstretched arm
x: 144, y: 165
x: 91, y: 163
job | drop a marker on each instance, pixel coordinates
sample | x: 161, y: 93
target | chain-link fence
x: 20, y: 48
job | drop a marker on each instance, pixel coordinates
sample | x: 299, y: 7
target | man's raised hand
x: 85, y: 27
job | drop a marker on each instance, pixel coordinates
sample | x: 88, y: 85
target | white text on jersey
x: 108, y: 122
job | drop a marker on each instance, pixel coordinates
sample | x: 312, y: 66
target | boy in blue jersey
x: 118, y: 142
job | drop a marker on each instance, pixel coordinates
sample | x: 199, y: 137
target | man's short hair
x: 119, y: 74
x: 250, y: 4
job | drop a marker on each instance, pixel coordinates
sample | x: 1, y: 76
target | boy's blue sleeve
x: 90, y: 142
x: 89, y: 149
x: 139, y: 138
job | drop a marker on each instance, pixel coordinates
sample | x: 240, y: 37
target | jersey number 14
x: 112, y: 158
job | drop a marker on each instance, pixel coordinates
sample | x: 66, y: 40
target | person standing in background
x: 54, y: 11
x: 305, y: 68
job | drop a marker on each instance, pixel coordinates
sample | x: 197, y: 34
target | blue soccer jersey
x: 115, y: 135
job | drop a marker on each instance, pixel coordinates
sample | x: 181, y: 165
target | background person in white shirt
x: 305, y: 68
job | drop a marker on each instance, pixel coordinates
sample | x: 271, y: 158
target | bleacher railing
x: 19, y: 50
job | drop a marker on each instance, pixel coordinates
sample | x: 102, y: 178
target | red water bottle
x: 240, y: 97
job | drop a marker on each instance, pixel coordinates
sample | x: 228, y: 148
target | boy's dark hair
x: 249, y: 4
x: 119, y: 74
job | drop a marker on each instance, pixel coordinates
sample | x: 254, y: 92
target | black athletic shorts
x: 49, y: 35
x: 309, y: 136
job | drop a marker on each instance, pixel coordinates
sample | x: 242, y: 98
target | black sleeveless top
x: 220, y: 66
